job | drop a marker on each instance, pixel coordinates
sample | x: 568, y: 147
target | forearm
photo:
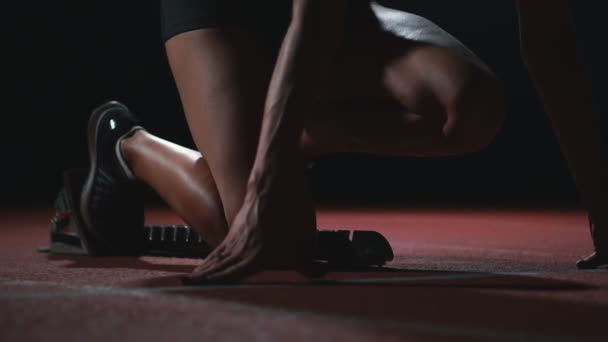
x: 308, y: 47
x: 549, y: 49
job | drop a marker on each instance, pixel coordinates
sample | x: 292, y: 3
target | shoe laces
x: 105, y: 194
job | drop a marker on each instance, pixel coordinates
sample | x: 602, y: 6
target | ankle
x: 128, y: 145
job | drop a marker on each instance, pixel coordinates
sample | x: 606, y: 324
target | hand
x: 238, y: 256
x: 276, y: 229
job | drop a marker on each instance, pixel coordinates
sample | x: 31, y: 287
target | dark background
x: 63, y: 59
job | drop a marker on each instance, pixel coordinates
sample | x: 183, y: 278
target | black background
x: 62, y: 59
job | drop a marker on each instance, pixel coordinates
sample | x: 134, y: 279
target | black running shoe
x: 599, y: 258
x: 111, y: 203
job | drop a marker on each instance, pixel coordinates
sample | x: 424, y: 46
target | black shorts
x: 269, y: 17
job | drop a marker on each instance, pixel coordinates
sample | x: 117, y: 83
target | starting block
x: 340, y: 248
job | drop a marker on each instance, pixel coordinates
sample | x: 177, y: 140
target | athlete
x: 268, y: 85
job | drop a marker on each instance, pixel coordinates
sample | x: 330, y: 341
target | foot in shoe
x: 593, y: 261
x: 111, y: 204
x: 599, y: 258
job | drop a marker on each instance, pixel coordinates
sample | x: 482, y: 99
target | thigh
x: 392, y: 62
x: 378, y: 38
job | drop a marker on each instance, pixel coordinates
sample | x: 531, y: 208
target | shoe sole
x: 93, y: 130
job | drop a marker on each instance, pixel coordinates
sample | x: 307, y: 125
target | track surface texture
x: 458, y: 275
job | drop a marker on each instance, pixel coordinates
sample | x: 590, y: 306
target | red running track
x: 465, y: 275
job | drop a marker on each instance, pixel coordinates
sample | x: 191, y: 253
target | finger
x: 218, y: 273
x: 235, y: 262
x: 238, y: 265
x: 238, y: 271
x: 202, y: 274
x: 209, y: 267
x: 211, y: 260
x: 200, y: 277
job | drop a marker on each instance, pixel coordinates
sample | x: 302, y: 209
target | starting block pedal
x: 341, y: 248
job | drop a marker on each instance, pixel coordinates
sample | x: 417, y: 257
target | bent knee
x: 463, y: 99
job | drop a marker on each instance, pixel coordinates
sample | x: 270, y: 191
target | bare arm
x: 549, y: 49
x: 307, y: 49
x: 255, y: 237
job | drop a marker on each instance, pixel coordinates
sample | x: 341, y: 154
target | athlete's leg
x: 423, y: 94
x: 222, y: 76
x: 550, y: 48
x: 182, y: 178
